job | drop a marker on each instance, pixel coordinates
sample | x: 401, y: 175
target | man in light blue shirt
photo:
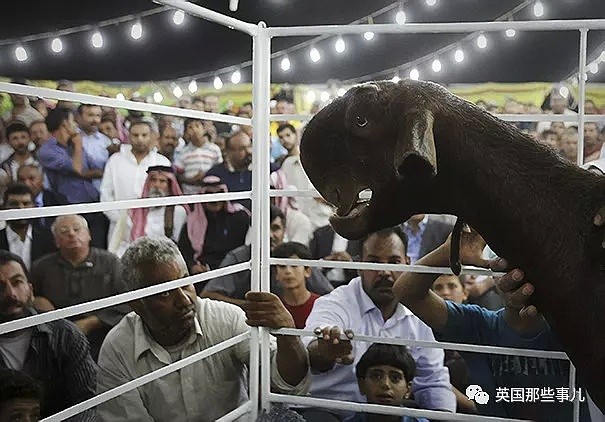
x: 367, y: 306
x: 94, y: 142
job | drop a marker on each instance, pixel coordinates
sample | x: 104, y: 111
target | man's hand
x: 339, y: 256
x: 331, y: 347
x: 471, y: 248
x: 198, y: 268
x: 266, y: 310
x: 515, y: 290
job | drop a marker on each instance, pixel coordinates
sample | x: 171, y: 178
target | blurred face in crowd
x: 71, y: 233
x: 159, y: 185
x: 168, y: 141
x: 210, y: 129
x: 239, y: 151
x: 288, y: 139
x: 592, y: 138
x: 558, y: 127
x: 90, y: 119
x: 558, y: 104
x: 385, y: 384
x: 278, y: 229
x: 590, y: 107
x: 108, y: 128
x: 281, y: 107
x: 19, y: 141
x: 194, y: 133
x: 32, y: 177
x: 552, y: 140
x: 198, y: 105
x: 245, y: 111
x: 220, y: 142
x: 17, y: 292
x: 211, y: 103
x: 39, y: 133
x: 169, y: 316
x: 19, y: 100
x: 569, y: 145
x: 214, y: 207
x: 20, y: 410
x: 387, y: 250
x: 512, y: 107
x: 292, y: 276
x: 140, y: 138
x: 449, y: 287
x: 68, y: 87
x: 16, y: 202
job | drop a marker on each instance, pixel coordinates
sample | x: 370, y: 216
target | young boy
x: 197, y: 157
x: 384, y: 375
x: 292, y: 279
x: 20, y: 397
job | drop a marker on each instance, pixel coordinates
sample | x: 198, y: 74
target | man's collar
x: 421, y: 224
x: 14, y: 235
x: 367, y: 304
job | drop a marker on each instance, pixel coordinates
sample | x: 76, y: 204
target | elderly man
x: 33, y: 176
x: 155, y: 221
x: 55, y: 353
x: 79, y: 273
x: 170, y: 326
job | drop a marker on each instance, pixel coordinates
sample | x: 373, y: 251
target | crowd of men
x: 82, y: 153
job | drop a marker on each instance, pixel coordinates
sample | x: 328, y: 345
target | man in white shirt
x: 126, y: 172
x: 367, y: 306
x: 176, y: 324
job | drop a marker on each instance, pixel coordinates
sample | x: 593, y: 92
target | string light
x: 285, y: 64
x: 564, y: 91
x: 340, y: 45
x: 311, y: 96
x: 315, y: 55
x: 136, y: 31
x: 431, y: 2
x: 120, y: 97
x: 192, y: 86
x: 482, y: 41
x: 436, y: 66
x: 178, y: 18
x: 341, y: 92
x: 218, y: 82
x: 97, y: 40
x: 459, y: 55
x: 369, y: 35
x: 414, y: 74
x: 538, y: 9
x: 177, y: 91
x: 21, y: 53
x: 158, y: 97
x: 324, y: 96
x: 510, y: 33
x: 56, y: 45
x: 395, y: 79
x: 400, y: 17
x: 593, y: 68
x: 236, y: 77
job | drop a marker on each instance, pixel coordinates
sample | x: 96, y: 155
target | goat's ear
x: 415, y: 152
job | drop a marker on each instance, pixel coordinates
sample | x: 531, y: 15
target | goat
x: 420, y: 149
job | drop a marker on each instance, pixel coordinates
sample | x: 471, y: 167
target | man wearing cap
x: 154, y: 221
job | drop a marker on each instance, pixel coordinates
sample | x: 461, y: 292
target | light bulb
x: 192, y: 86
x: 593, y: 68
x: 218, y: 82
x: 431, y: 2
x: 311, y: 96
x: 538, y: 9
x: 120, y: 97
x: 158, y: 97
x: 56, y: 45
x: 325, y: 96
x: 341, y: 92
x: 436, y: 65
x: 97, y: 40
x: 285, y: 64
x: 340, y: 45
x: 414, y: 74
x: 21, y: 53
x: 136, y: 31
x: 177, y: 91
x: 315, y: 55
x: 510, y: 33
x: 400, y: 17
x: 369, y: 36
x: 179, y: 17
x: 564, y: 92
x: 396, y: 79
x: 236, y: 77
x: 481, y: 41
x: 459, y: 55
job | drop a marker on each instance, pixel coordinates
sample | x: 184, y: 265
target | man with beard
x: 55, y: 353
x: 19, y: 139
x: 26, y: 238
x: 155, y: 221
x: 94, y: 142
x: 367, y: 306
x: 173, y: 325
x: 125, y: 175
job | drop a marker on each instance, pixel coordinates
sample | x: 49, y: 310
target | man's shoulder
x: 123, y: 333
x: 104, y: 255
x: 241, y: 253
x: 218, y: 169
x: 44, y: 261
x: 64, y: 332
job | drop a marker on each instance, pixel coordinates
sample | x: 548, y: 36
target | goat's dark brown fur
x: 531, y: 206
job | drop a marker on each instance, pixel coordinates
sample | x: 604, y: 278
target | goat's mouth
x: 351, y: 210
x: 352, y: 220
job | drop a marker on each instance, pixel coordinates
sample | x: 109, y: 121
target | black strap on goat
x: 455, y: 264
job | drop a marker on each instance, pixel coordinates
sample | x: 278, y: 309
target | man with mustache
x: 155, y: 221
x: 94, y: 142
x: 19, y: 139
x: 55, y: 353
x: 170, y: 326
x: 367, y: 306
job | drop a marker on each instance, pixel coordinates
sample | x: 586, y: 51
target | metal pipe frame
x: 506, y: 117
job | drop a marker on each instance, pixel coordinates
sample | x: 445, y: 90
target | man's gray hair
x: 148, y: 251
x: 55, y: 224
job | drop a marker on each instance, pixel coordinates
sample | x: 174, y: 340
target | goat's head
x: 378, y: 136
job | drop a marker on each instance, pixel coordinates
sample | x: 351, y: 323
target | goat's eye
x: 361, y: 121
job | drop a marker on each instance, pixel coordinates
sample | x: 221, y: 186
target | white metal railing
x: 261, y: 261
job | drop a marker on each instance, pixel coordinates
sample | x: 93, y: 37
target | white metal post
x: 582, y: 94
x: 260, y: 193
